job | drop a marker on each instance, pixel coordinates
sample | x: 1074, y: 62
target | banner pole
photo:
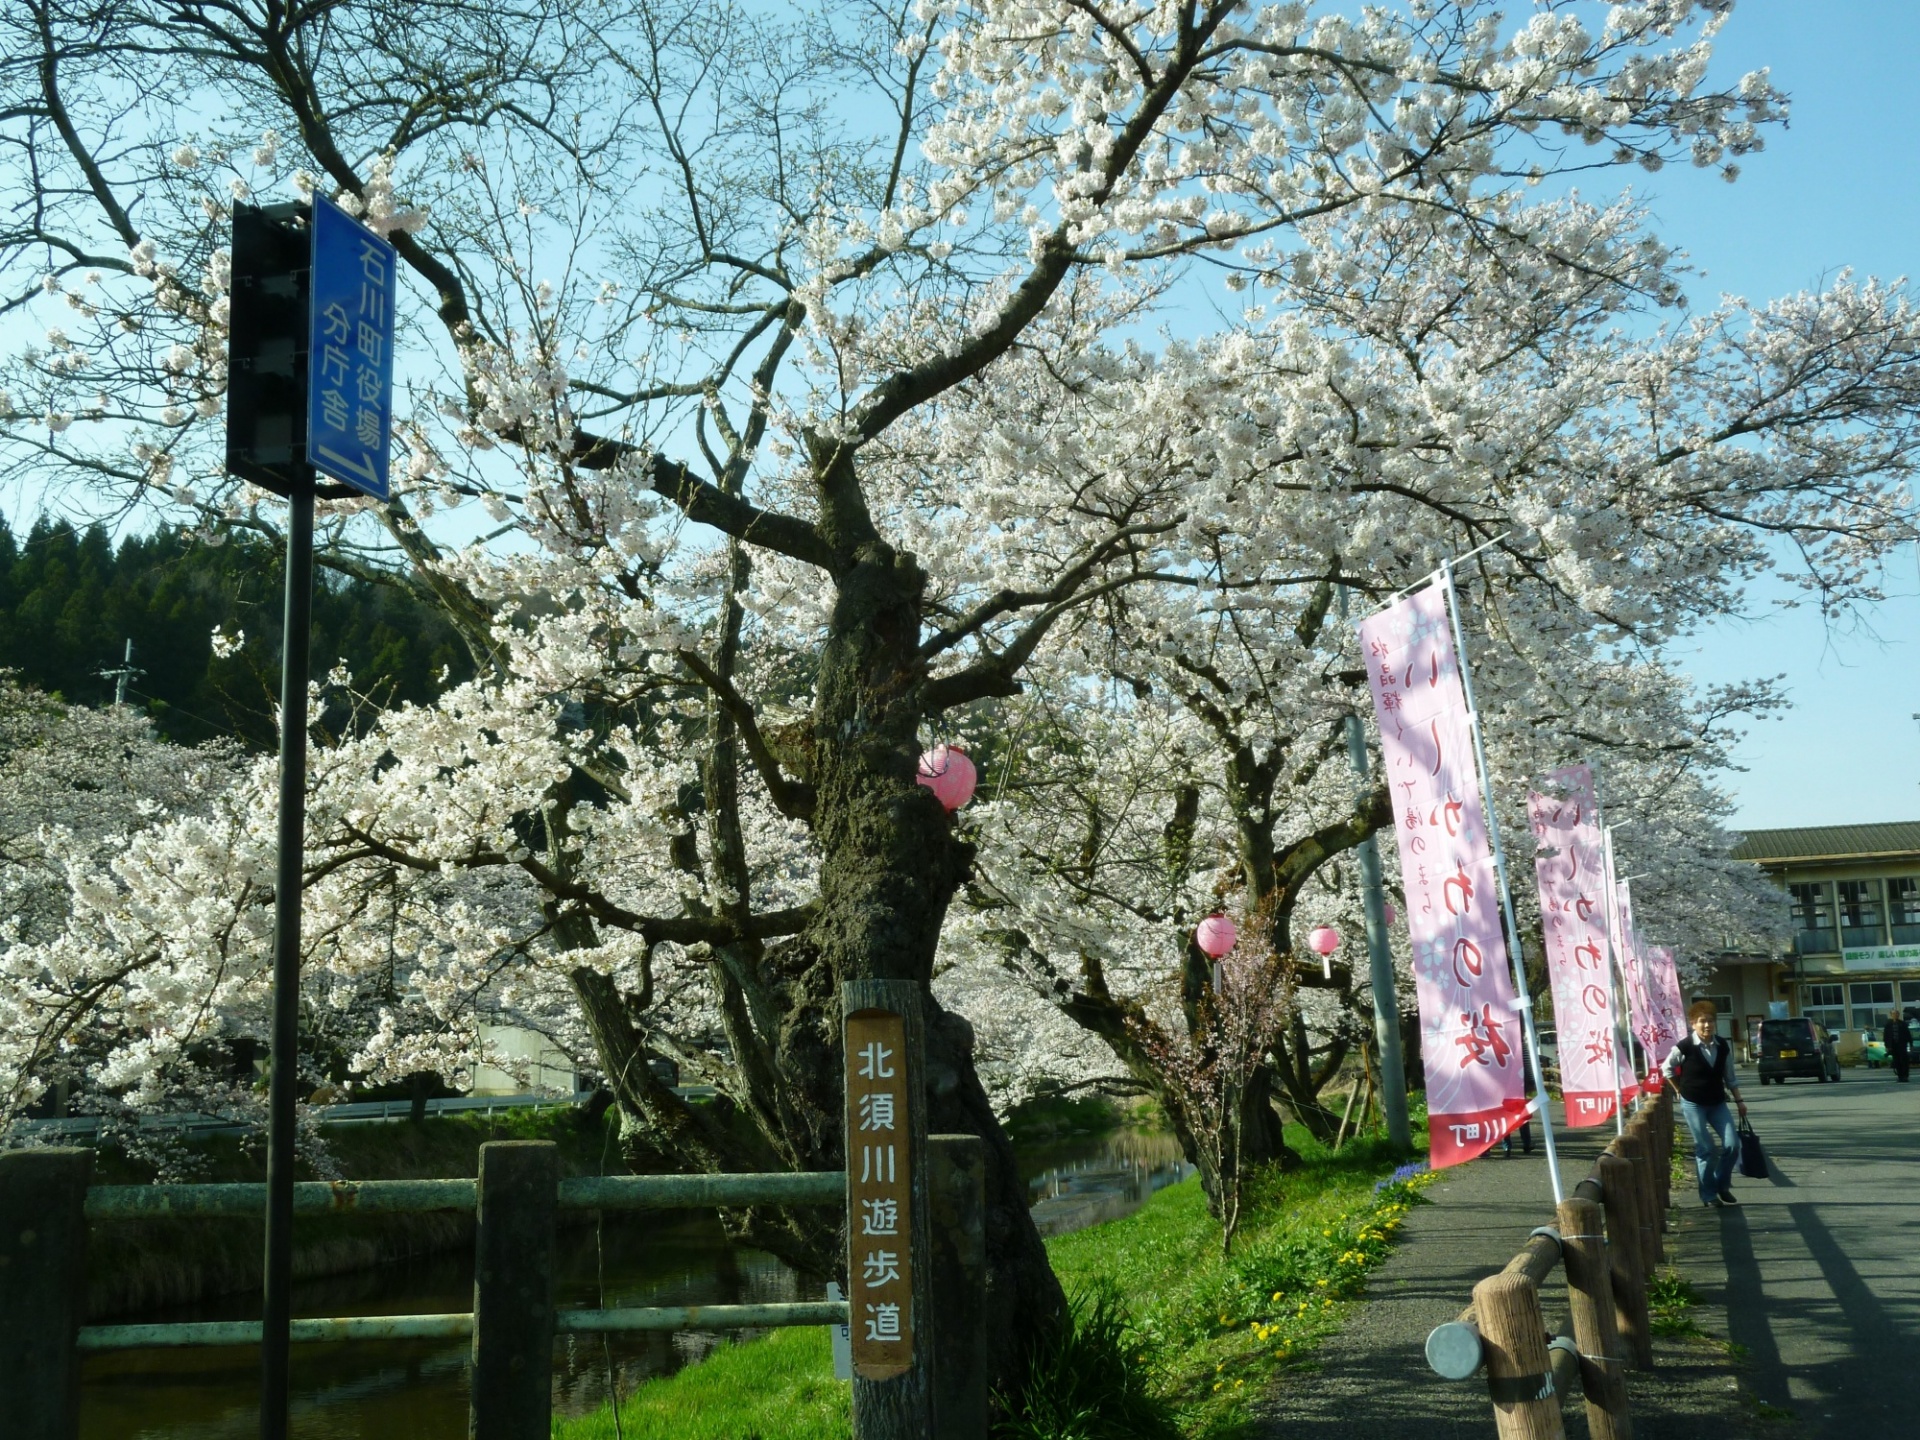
x: 1613, y: 962
x: 1634, y: 944
x: 1525, y: 1002
x: 1616, y: 926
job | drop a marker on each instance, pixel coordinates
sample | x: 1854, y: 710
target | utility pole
x: 128, y: 670
x: 1386, y: 1004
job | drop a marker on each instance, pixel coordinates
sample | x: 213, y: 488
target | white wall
x: 548, y: 1069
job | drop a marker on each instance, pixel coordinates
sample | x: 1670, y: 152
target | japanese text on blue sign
x: 350, y: 373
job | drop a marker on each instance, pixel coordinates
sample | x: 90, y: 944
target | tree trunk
x: 1262, y: 1138
x: 1301, y: 1081
x: 891, y: 863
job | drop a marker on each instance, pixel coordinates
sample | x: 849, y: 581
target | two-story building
x: 1854, y: 897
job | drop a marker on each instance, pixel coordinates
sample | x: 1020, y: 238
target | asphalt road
x: 1818, y: 1270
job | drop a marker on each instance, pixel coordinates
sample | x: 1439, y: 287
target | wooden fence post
x: 1632, y: 1148
x: 1663, y: 1131
x: 513, y: 1271
x: 1590, y: 1297
x: 957, y: 1190
x: 43, y: 1290
x: 1656, y: 1215
x: 1507, y: 1309
x: 1622, y: 1206
x: 893, y: 1398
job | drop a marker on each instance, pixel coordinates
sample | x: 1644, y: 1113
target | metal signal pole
x: 1386, y: 1004
x: 276, y: 1312
x: 269, y: 339
x: 287, y: 423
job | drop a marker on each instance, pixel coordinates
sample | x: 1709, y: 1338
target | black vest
x: 1702, y: 1082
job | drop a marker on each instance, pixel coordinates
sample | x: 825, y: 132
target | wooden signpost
x: 887, y: 1255
x: 880, y: 1156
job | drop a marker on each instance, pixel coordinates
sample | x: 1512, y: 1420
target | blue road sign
x: 350, y: 362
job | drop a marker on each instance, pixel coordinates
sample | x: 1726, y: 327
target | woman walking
x: 1702, y: 1067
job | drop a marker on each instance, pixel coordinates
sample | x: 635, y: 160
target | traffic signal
x: 269, y: 329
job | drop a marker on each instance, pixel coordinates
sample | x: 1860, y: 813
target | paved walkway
x: 1818, y: 1272
x: 1372, y: 1378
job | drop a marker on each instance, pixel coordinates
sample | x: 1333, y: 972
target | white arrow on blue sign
x: 350, y: 362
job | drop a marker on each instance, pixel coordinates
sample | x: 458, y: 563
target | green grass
x: 1215, y: 1332
x: 1085, y: 1383
x: 1206, y: 1334
x: 1670, y: 1303
x: 779, y: 1388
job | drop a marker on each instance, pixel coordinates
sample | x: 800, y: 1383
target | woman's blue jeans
x: 1708, y: 1123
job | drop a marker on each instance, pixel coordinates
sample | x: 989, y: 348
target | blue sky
x: 1839, y: 188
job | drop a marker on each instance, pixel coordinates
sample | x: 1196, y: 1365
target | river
x: 417, y: 1390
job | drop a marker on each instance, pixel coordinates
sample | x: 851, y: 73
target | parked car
x: 1796, y: 1047
x: 1549, y: 1051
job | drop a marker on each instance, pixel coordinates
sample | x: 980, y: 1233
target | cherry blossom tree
x: 75, y: 783
x: 789, y: 356
x: 1408, y: 421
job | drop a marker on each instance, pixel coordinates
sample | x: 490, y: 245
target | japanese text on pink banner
x: 1572, y: 880
x: 1470, y: 1035
x: 1667, y: 1020
x: 1633, y: 963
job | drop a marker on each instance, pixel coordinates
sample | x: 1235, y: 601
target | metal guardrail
x: 401, y: 1197
x: 48, y: 1205
x: 95, y: 1339
x: 350, y: 1112
x: 387, y: 1197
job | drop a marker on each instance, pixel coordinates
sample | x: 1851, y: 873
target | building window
x: 1825, y: 1005
x: 1871, y: 1001
x: 1860, y: 913
x: 1903, y: 906
x: 1909, y: 995
x: 1813, y: 918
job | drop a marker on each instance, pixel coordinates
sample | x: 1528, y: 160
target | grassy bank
x: 137, y: 1265
x: 1206, y: 1333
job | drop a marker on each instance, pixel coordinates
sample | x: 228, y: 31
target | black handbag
x: 1753, y: 1160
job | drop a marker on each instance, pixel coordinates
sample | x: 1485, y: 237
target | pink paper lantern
x: 1215, y: 935
x: 1323, y: 940
x: 948, y: 772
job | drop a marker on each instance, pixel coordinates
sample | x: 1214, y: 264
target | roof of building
x: 1830, y: 842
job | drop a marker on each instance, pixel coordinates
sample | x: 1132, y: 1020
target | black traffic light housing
x: 269, y: 330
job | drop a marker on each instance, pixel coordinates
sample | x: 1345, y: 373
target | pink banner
x: 1668, y: 1008
x: 1633, y: 963
x: 1571, y: 874
x: 1471, y: 1040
